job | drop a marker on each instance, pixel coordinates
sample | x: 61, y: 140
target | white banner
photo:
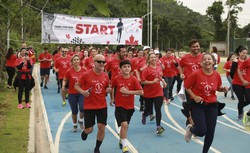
x: 66, y: 29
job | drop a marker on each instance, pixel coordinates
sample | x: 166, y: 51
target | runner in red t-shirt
x: 75, y: 98
x: 10, y: 66
x: 61, y: 65
x: 89, y: 62
x: 227, y: 66
x: 24, y: 64
x: 113, y: 65
x: 45, y: 59
x: 126, y: 86
x: 151, y: 78
x: 94, y: 85
x: 240, y: 89
x: 202, y: 86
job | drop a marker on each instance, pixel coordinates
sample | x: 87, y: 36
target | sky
x: 202, y: 5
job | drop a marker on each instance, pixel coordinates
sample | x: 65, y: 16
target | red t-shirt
x: 25, y: 68
x: 114, y: 67
x: 45, y: 64
x: 73, y: 77
x: 149, y: 74
x: 168, y: 62
x: 204, y: 85
x: 32, y: 55
x: 56, y: 56
x: 124, y: 100
x: 11, y: 62
x: 190, y: 64
x: 62, y: 64
x: 245, y: 68
x: 98, y: 83
x: 227, y: 66
x: 236, y: 79
x: 89, y: 63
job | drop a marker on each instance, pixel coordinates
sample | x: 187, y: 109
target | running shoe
x: 20, y: 106
x: 125, y: 149
x: 120, y: 144
x: 84, y: 135
x: 81, y: 125
x: 41, y: 84
x: 159, y: 130
x: 171, y: 98
x: 240, y: 117
x: 188, y: 133
x: 232, y: 98
x: 74, y: 129
x: 45, y: 87
x: 151, y: 117
x: 96, y: 150
x: 28, y: 105
x: 63, y: 103
x: 143, y: 120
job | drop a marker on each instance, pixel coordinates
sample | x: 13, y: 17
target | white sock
x: 80, y: 119
x: 124, y: 142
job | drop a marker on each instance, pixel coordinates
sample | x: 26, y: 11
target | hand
x: 112, y: 102
x: 108, y: 90
x: 198, y: 99
x: 124, y: 90
x: 86, y: 93
x: 182, y: 76
x: 156, y: 80
x: 245, y: 83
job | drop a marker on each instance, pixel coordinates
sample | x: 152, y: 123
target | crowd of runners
x: 86, y: 76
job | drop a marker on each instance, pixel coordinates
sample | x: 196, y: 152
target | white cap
x: 156, y: 52
x: 146, y: 47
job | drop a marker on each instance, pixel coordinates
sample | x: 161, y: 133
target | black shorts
x: 44, y: 71
x: 66, y: 85
x: 90, y: 114
x: 122, y: 114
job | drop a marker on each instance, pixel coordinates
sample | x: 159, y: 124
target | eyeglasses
x: 99, y: 61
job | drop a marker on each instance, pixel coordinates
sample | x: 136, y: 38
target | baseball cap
x: 146, y: 47
x: 156, y: 51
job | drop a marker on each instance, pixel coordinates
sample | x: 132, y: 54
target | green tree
x: 214, y: 12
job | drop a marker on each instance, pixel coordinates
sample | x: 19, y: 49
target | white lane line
x: 233, y: 122
x: 45, y: 116
x: 233, y: 127
x: 130, y: 146
x: 182, y: 131
x: 59, y: 131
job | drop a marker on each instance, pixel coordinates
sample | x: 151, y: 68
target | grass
x: 220, y: 68
x: 14, y: 123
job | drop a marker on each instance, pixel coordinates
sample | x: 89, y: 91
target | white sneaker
x: 188, y: 133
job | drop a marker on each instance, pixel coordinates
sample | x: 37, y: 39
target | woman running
x: 238, y: 87
x: 202, y: 86
x: 227, y: 68
x: 152, y: 79
x: 75, y: 98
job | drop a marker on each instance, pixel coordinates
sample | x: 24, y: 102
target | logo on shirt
x: 195, y: 67
x: 98, y: 88
x: 207, y: 90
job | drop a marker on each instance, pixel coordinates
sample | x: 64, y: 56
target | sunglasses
x: 99, y: 61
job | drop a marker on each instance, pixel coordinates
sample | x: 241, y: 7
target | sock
x: 80, y: 119
x: 74, y: 124
x: 124, y: 142
x: 98, y: 144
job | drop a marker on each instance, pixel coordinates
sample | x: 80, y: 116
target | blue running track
x: 230, y: 136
